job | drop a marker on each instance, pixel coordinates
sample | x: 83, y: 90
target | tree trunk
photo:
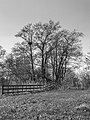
x: 33, y: 74
x: 56, y: 72
x: 42, y: 67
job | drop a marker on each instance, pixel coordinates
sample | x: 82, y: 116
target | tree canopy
x: 46, y: 53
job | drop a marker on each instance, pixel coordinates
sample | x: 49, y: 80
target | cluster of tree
x: 46, y: 54
x: 49, y: 47
x: 84, y: 74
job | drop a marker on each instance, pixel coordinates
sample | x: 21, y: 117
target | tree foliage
x: 51, y: 48
x: 46, y: 53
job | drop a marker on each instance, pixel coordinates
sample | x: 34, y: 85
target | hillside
x: 54, y: 105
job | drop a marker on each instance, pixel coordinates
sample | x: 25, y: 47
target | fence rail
x: 6, y: 89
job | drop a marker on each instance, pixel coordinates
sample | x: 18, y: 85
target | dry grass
x: 54, y: 105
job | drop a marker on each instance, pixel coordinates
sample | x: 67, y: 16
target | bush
x: 4, y: 81
x: 71, y: 79
x: 85, y: 80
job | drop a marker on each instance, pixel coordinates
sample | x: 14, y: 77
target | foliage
x: 4, y: 81
x: 46, y: 46
x: 2, y: 65
x: 51, y: 49
x: 85, y: 79
x: 18, y: 68
x: 68, y: 49
x: 71, y: 79
x: 84, y: 71
x: 2, y: 52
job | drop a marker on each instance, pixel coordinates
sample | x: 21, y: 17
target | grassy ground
x: 54, y: 105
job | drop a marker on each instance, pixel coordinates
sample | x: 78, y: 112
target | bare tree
x: 27, y: 34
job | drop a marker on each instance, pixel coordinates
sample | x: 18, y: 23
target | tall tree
x: 27, y: 34
x: 44, y: 39
x: 67, y: 48
x: 51, y: 47
x: 41, y: 37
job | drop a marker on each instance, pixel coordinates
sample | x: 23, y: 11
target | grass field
x: 53, y: 105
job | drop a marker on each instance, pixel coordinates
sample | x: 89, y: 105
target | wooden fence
x: 6, y: 89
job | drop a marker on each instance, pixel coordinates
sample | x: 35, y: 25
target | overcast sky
x: 14, y: 14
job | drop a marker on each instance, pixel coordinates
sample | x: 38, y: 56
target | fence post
x: 2, y: 89
x: 22, y: 88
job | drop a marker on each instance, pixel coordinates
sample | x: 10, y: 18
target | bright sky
x: 14, y: 14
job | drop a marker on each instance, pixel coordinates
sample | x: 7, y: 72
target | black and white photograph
x: 44, y: 59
